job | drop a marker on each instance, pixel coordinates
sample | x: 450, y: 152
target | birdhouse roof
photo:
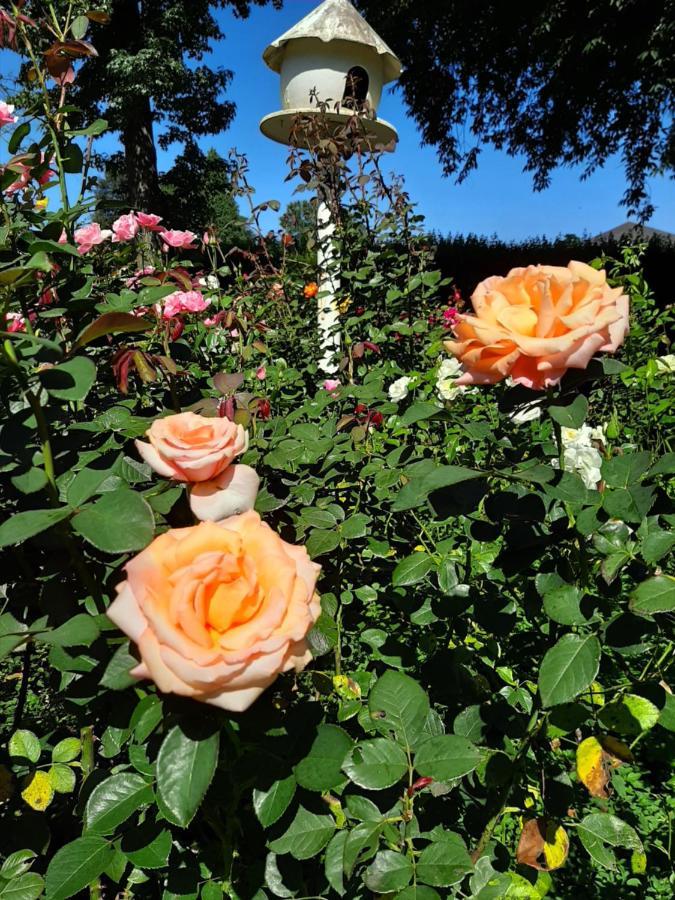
x: 334, y: 20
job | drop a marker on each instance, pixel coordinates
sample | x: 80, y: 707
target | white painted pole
x: 328, y: 266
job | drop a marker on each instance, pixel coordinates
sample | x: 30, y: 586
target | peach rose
x: 536, y: 323
x: 192, y: 448
x: 218, y: 611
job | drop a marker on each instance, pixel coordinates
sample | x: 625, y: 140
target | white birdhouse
x: 334, y: 52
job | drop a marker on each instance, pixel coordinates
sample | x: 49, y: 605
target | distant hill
x: 634, y: 232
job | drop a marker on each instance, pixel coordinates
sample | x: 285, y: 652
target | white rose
x: 586, y: 461
x: 448, y: 373
x: 526, y: 413
x: 398, y: 390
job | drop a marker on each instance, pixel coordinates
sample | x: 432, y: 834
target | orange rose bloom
x: 536, y: 323
x: 311, y: 290
x: 192, y: 448
x: 218, y: 611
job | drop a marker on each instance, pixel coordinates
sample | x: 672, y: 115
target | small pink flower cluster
x: 127, y: 227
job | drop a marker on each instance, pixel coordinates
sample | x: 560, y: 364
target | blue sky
x: 497, y: 198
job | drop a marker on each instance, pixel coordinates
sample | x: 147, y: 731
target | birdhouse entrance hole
x: 357, y: 83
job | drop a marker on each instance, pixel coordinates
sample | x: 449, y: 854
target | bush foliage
x: 489, y: 712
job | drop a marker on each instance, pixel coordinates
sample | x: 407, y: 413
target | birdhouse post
x: 332, y: 54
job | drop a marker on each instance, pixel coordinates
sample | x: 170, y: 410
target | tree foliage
x: 562, y: 82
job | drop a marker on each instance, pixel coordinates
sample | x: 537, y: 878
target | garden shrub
x: 488, y: 712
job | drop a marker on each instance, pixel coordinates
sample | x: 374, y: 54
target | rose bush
x: 488, y: 711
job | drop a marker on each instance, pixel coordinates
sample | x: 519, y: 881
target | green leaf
x: 25, y: 745
x: 361, y: 841
x: 116, y: 676
x: 85, y: 485
x: 17, y: 863
x: 418, y: 892
x: 114, y: 800
x: 334, y: 862
x: 622, y: 471
x: 397, y: 703
x: 321, y: 769
x: 111, y: 323
x: 355, y: 526
x: 270, y: 805
x: 66, y: 750
x: 629, y: 504
x: 656, y: 595
x: 571, y: 415
x: 76, y: 865
x: 420, y: 411
x: 322, y: 541
x: 568, y: 668
x: 71, y: 380
x: 323, y: 636
x: 629, y: 714
x: 307, y: 835
x: 26, y: 887
x: 31, y: 481
x: 185, y: 768
x: 446, y: 757
x: 389, y: 871
x: 17, y: 136
x: 655, y: 546
x: 664, y: 466
x: 118, y: 522
x: 376, y: 764
x: 667, y: 714
x: 418, y: 489
x: 571, y: 489
x: 412, y: 569
x: 79, y: 27
x: 12, y: 634
x: 81, y: 630
x: 562, y: 605
x: 62, y: 778
x: 598, y: 829
x: 147, y: 846
x: 445, y: 862
x: 26, y: 525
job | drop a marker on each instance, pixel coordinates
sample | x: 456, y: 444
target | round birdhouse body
x: 310, y: 67
x: 331, y: 57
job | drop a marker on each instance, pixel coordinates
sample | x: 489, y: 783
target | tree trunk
x: 140, y: 157
x: 137, y: 129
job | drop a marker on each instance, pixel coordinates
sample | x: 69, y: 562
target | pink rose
x: 219, y: 611
x: 188, y: 447
x: 6, y: 117
x: 149, y: 221
x: 125, y: 228
x: 91, y: 236
x: 184, y: 302
x: 14, y: 322
x: 536, y: 323
x: 179, y: 240
x: 331, y: 385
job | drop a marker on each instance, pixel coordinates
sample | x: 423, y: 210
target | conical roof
x: 335, y: 20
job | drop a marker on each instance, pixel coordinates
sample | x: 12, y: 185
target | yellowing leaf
x: 38, y: 792
x: 638, y: 862
x: 597, y: 694
x: 596, y: 757
x: 543, y: 845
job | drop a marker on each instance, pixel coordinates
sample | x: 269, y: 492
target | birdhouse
x: 334, y: 55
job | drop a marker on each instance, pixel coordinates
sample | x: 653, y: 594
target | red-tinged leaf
x: 260, y: 345
x: 111, y: 323
x: 227, y: 383
x: 98, y: 16
x: 142, y: 364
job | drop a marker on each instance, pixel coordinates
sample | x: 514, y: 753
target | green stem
x: 503, y: 797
